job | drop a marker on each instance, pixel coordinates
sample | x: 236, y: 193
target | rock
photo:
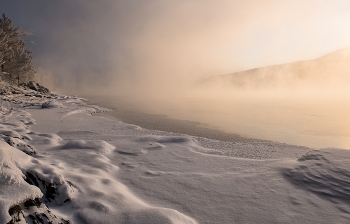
x: 19, y: 143
x: 58, y: 191
x: 37, y: 87
x: 32, y: 85
x: 51, y: 104
x: 34, y: 211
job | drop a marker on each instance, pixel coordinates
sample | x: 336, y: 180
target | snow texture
x: 64, y: 165
x: 14, y: 189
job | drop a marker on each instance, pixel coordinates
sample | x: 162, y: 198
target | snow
x: 51, y: 104
x: 13, y: 188
x: 96, y: 169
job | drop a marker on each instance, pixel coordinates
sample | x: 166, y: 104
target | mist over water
x: 304, y: 103
x: 316, y: 120
x: 157, y: 56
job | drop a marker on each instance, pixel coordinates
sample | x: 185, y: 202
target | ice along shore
x: 60, y: 164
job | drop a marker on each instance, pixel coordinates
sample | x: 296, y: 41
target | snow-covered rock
x: 75, y: 163
x: 51, y: 104
x: 13, y: 187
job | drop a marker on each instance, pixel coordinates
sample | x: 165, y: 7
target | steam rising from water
x: 161, y: 51
x: 156, y: 47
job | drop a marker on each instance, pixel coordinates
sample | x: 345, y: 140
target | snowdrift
x: 64, y: 165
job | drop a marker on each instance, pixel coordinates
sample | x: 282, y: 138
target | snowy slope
x: 92, y: 169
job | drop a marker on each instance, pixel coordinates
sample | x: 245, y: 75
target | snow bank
x: 74, y: 177
x: 90, y: 169
x: 13, y: 187
x: 97, y: 146
x: 324, y: 173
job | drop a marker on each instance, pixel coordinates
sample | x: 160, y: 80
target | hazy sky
x: 151, y: 42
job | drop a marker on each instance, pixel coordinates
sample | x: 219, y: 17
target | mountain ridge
x: 332, y: 68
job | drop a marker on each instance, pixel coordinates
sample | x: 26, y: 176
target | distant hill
x: 333, y: 68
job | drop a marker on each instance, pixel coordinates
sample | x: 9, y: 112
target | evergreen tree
x: 16, y: 62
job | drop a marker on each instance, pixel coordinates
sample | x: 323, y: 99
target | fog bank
x: 156, y: 48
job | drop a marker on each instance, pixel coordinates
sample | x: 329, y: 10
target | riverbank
x: 61, y: 164
x: 286, y: 119
x: 164, y: 123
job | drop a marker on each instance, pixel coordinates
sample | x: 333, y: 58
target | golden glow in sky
x: 174, y: 41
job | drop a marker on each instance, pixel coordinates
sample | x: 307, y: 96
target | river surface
x: 314, y: 122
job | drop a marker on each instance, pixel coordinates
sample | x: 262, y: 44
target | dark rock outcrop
x: 37, y: 87
x: 34, y: 211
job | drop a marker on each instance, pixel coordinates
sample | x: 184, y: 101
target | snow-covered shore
x: 60, y: 164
